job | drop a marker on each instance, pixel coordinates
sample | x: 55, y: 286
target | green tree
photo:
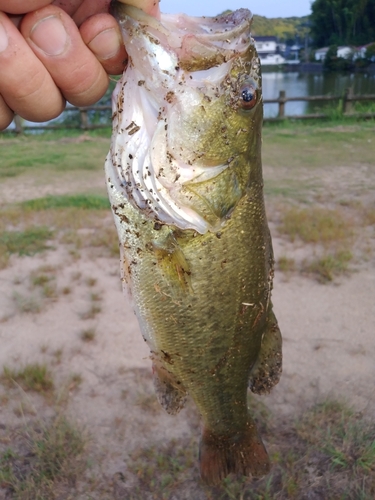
x: 370, y: 52
x: 331, y: 58
x: 286, y: 29
x: 334, y: 63
x: 342, y: 22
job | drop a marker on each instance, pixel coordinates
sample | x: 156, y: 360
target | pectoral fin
x: 173, y: 263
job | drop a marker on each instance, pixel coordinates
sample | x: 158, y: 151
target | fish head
x: 187, y: 110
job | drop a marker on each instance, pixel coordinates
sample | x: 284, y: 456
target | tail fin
x: 242, y: 453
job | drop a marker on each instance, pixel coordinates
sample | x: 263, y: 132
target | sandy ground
x: 329, y: 350
x: 105, y: 383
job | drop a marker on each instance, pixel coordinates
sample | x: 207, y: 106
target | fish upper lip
x: 198, y: 43
x: 221, y: 28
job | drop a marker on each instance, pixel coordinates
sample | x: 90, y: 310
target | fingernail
x: 106, y: 44
x: 50, y: 36
x: 3, y: 38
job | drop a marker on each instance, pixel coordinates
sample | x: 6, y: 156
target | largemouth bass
x: 185, y: 184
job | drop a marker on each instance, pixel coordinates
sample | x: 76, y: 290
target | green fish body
x: 185, y: 184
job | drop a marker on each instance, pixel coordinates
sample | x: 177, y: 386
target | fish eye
x: 249, y: 96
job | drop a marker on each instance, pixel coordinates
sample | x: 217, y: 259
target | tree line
x: 332, y: 22
x: 342, y: 22
x: 286, y: 29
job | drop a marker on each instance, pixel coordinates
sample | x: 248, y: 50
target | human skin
x: 54, y: 51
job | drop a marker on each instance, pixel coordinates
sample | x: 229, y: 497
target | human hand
x: 52, y: 51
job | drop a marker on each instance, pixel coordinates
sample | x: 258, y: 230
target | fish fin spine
x: 242, y: 453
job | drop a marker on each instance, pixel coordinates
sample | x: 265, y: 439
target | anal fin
x: 170, y: 392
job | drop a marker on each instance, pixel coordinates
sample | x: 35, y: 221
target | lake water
x: 306, y: 84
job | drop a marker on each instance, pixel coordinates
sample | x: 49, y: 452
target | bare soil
x: 104, y: 383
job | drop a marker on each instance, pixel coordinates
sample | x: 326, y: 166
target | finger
x: 25, y: 84
x: 89, y: 8
x: 6, y: 114
x: 102, y: 35
x: 69, y: 6
x: 55, y: 39
x: 22, y: 6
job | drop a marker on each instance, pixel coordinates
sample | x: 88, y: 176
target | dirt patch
x: 64, y: 309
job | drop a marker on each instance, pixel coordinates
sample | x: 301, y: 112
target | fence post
x: 18, y: 124
x: 282, y: 95
x: 84, y: 119
x: 347, y: 103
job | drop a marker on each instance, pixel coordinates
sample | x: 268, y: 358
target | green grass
x: 42, y: 288
x: 91, y: 312
x: 162, y: 468
x: 328, y: 267
x: 330, y: 234
x: 344, y: 436
x: 286, y: 264
x: 27, y: 303
x: 90, y: 281
x: 82, y: 201
x: 369, y: 215
x: 88, y: 335
x: 294, y: 145
x: 36, y: 221
x: 316, y: 225
x: 364, y: 107
x: 324, y: 269
x: 33, y: 377
x: 334, y: 112
x: 328, y: 452
x: 44, y: 280
x: 58, y: 151
x: 40, y: 279
x: 46, y: 464
x: 334, y: 118
x: 28, y: 242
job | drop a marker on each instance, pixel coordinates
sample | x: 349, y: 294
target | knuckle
x: 87, y: 86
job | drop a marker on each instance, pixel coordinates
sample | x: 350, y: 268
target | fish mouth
x: 178, y: 66
x: 199, y: 43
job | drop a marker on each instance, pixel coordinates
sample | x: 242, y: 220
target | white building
x: 320, y: 54
x: 268, y: 50
x: 266, y: 45
x: 360, y: 52
x: 272, y: 60
x: 345, y: 52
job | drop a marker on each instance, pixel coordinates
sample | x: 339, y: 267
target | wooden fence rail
x: 348, y: 98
